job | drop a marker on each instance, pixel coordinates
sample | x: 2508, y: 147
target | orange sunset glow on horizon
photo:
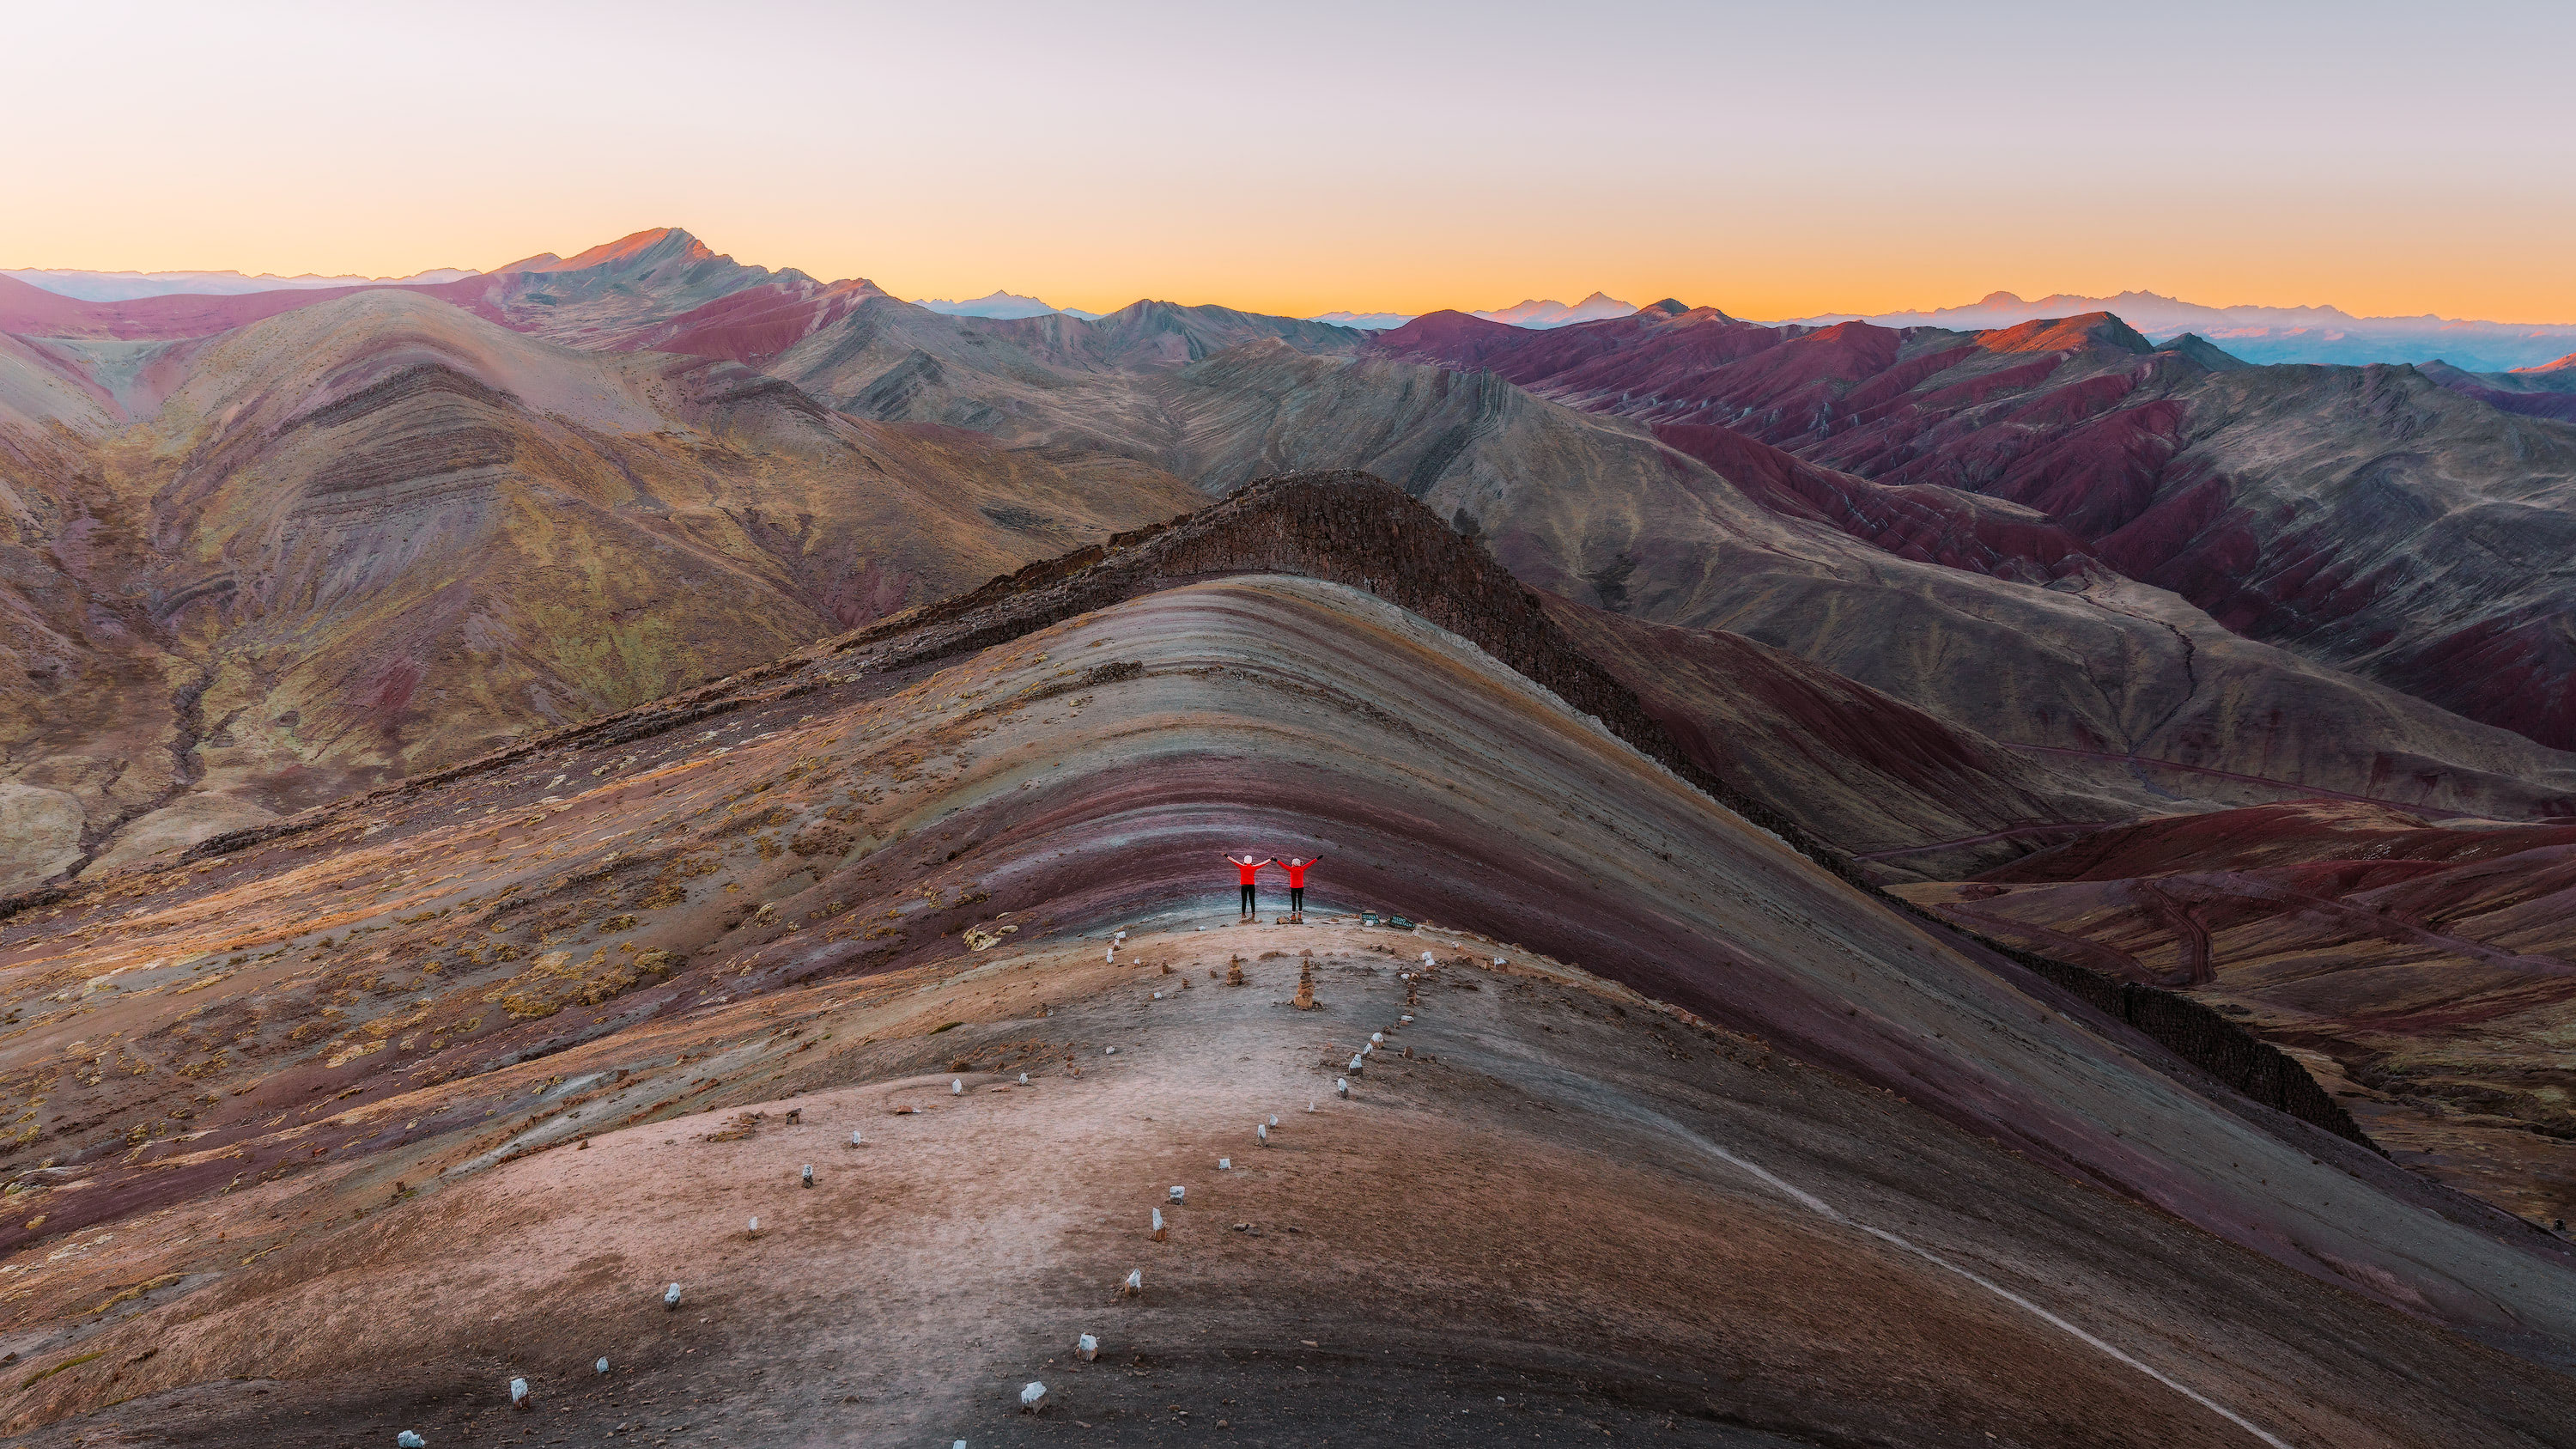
x: 1856, y: 159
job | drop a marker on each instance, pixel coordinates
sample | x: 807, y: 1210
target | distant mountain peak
x: 1548, y: 312
x: 2204, y: 352
x: 658, y: 245
x: 2260, y: 334
x: 1000, y: 305
x: 1366, y: 321
x: 126, y: 286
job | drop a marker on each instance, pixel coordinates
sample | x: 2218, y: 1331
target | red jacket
x: 1243, y: 873
x: 1297, y: 873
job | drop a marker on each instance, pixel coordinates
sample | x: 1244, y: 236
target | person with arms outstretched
x: 1297, y: 869
x: 1245, y: 868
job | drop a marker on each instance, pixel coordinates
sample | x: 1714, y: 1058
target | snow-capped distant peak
x: 1365, y: 321
x: 1538, y: 313
x: 1000, y: 305
x: 89, y: 286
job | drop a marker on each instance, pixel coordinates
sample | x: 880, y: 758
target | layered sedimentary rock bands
x: 834, y: 823
x: 718, y: 494
x: 2127, y: 688
x: 2422, y: 968
x: 376, y: 534
x: 2319, y: 508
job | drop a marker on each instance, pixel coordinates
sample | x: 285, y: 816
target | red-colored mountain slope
x: 470, y: 1070
x: 2365, y: 517
x: 2427, y: 971
x: 2546, y: 391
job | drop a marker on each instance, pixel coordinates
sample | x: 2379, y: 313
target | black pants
x: 1296, y: 900
x: 1247, y: 900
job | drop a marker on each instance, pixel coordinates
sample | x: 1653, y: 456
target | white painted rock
x: 1179, y: 1192
x: 600, y: 1367
x: 1341, y: 1088
x: 809, y: 1174
x: 518, y: 1393
x: 671, y: 1296
x: 1024, y: 1079
x: 1088, y: 1347
x: 409, y: 1440
x: 1225, y: 1164
x: 956, y: 1087
x: 1032, y: 1396
x: 856, y: 1139
x: 1262, y: 1131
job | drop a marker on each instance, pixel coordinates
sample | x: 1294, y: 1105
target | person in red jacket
x: 1297, y: 869
x: 1245, y: 868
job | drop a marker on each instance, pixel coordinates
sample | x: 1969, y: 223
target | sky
x: 1773, y: 160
